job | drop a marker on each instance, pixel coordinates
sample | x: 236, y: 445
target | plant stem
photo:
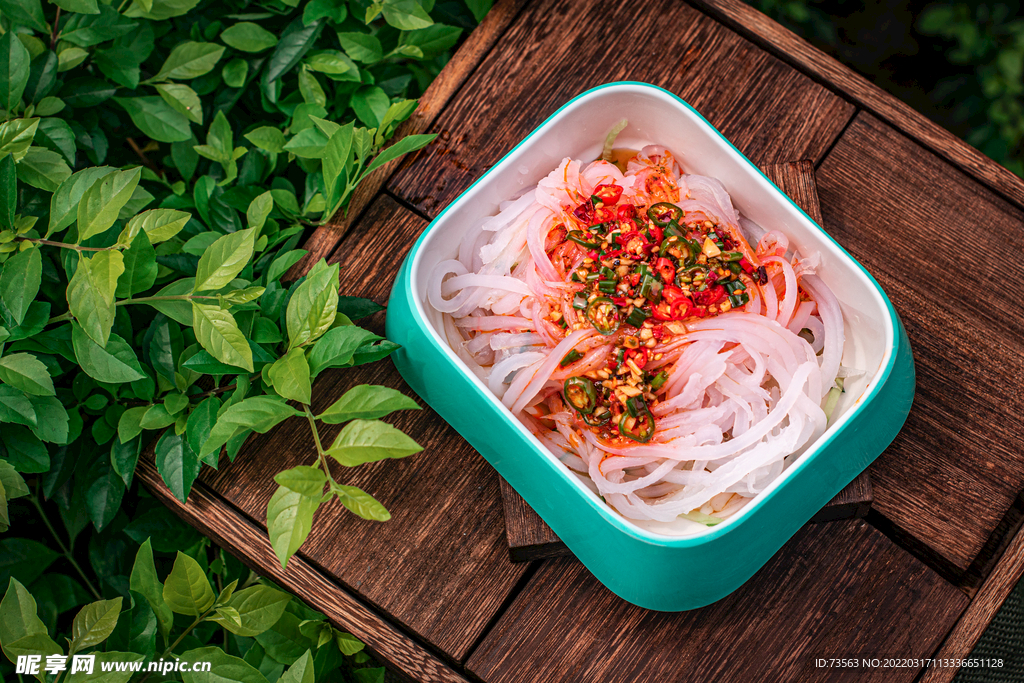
x: 54, y: 33
x: 322, y: 457
x: 62, y: 245
x: 64, y: 549
x: 141, y: 300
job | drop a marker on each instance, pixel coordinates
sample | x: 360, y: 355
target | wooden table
x: 433, y: 591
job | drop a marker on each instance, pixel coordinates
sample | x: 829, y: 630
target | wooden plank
x: 325, y: 238
x: 947, y: 252
x: 976, y: 618
x: 248, y: 542
x: 439, y: 567
x: 810, y: 60
x: 556, y: 49
x: 529, y: 538
x: 838, y: 590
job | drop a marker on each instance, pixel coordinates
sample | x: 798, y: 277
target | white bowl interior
x: 578, y: 131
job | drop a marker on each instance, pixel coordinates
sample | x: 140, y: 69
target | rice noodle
x: 730, y: 393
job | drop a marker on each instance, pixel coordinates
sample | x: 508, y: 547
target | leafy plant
x: 142, y: 300
x: 988, y: 38
x: 263, y: 634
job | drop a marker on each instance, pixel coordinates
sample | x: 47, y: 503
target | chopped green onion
x: 733, y: 285
x: 579, y: 302
x: 701, y: 518
x: 637, y: 317
x: 732, y: 255
x: 738, y: 300
x: 609, y: 140
x: 659, y: 380
x: 832, y: 400
x: 607, y: 286
x: 580, y: 238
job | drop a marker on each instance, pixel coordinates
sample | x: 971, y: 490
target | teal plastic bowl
x: 660, y: 568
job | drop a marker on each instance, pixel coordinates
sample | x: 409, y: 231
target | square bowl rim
x: 620, y: 523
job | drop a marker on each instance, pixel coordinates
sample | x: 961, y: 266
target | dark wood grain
x: 556, y: 49
x: 834, y: 590
x: 529, y: 538
x: 326, y: 237
x: 976, y: 618
x: 948, y: 253
x: 248, y: 542
x: 824, y: 69
x: 439, y: 567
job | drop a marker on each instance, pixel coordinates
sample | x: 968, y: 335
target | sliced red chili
x: 711, y: 295
x: 609, y: 194
x: 671, y: 294
x: 657, y: 234
x: 634, y: 242
x: 639, y: 356
x: 746, y: 265
x: 681, y: 309
x: 626, y: 212
x: 662, y: 311
x: 666, y: 270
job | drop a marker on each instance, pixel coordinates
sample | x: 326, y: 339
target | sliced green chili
x: 659, y: 380
x: 579, y: 393
x: 570, y: 358
x: 607, y: 286
x: 603, y: 314
x: 660, y: 209
x: 637, y: 317
x: 643, y: 427
x: 601, y: 416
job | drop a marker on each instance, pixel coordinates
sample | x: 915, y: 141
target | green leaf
x: 336, y: 158
x: 223, y: 668
x: 361, y: 503
x: 259, y: 209
x: 308, y: 144
x: 16, y: 407
x: 235, y: 72
x: 22, y: 632
x: 200, y: 423
x: 432, y: 40
x: 366, y: 402
x: 310, y: 89
x: 406, y: 15
x: 369, y: 353
x: 125, y: 456
x: 409, y: 143
x: 357, y: 308
x: 145, y: 582
x: 290, y: 376
x: 189, y: 60
x: 159, y: 225
x: 94, y: 623
x: 23, y: 560
x: 26, y: 372
x: 13, y: 483
x: 187, y: 590
x: 182, y: 99
x: 129, y: 425
x: 479, y: 8
x: 56, y: 134
x: 8, y: 192
x: 43, y: 169
x: 178, y: 466
x: 258, y: 608
x: 337, y: 346
x: 156, y: 119
x: 294, y: 43
x: 26, y: 13
x: 301, y: 671
x: 91, y: 293
x: 313, y: 306
x: 370, y: 104
x: 19, y: 283
x: 309, y: 481
x: 224, y: 260
x: 334, y: 64
x: 259, y: 413
x: 248, y: 37
x: 52, y: 419
x: 48, y: 106
x: 101, y: 203
x: 267, y: 138
x: 16, y: 136
x: 361, y: 47
x: 115, y: 364
x: 65, y: 201
x: 363, y: 441
x: 334, y: 10
x: 14, y: 64
x: 158, y: 10
x: 289, y: 521
x: 104, y: 491
x: 179, y: 310
x: 217, y: 332
x: 140, y: 268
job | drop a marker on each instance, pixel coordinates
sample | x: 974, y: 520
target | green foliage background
x: 161, y: 162
x: 959, y: 63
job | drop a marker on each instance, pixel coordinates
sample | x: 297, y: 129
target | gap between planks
x: 841, y: 79
x: 235, y: 532
x: 441, y: 90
